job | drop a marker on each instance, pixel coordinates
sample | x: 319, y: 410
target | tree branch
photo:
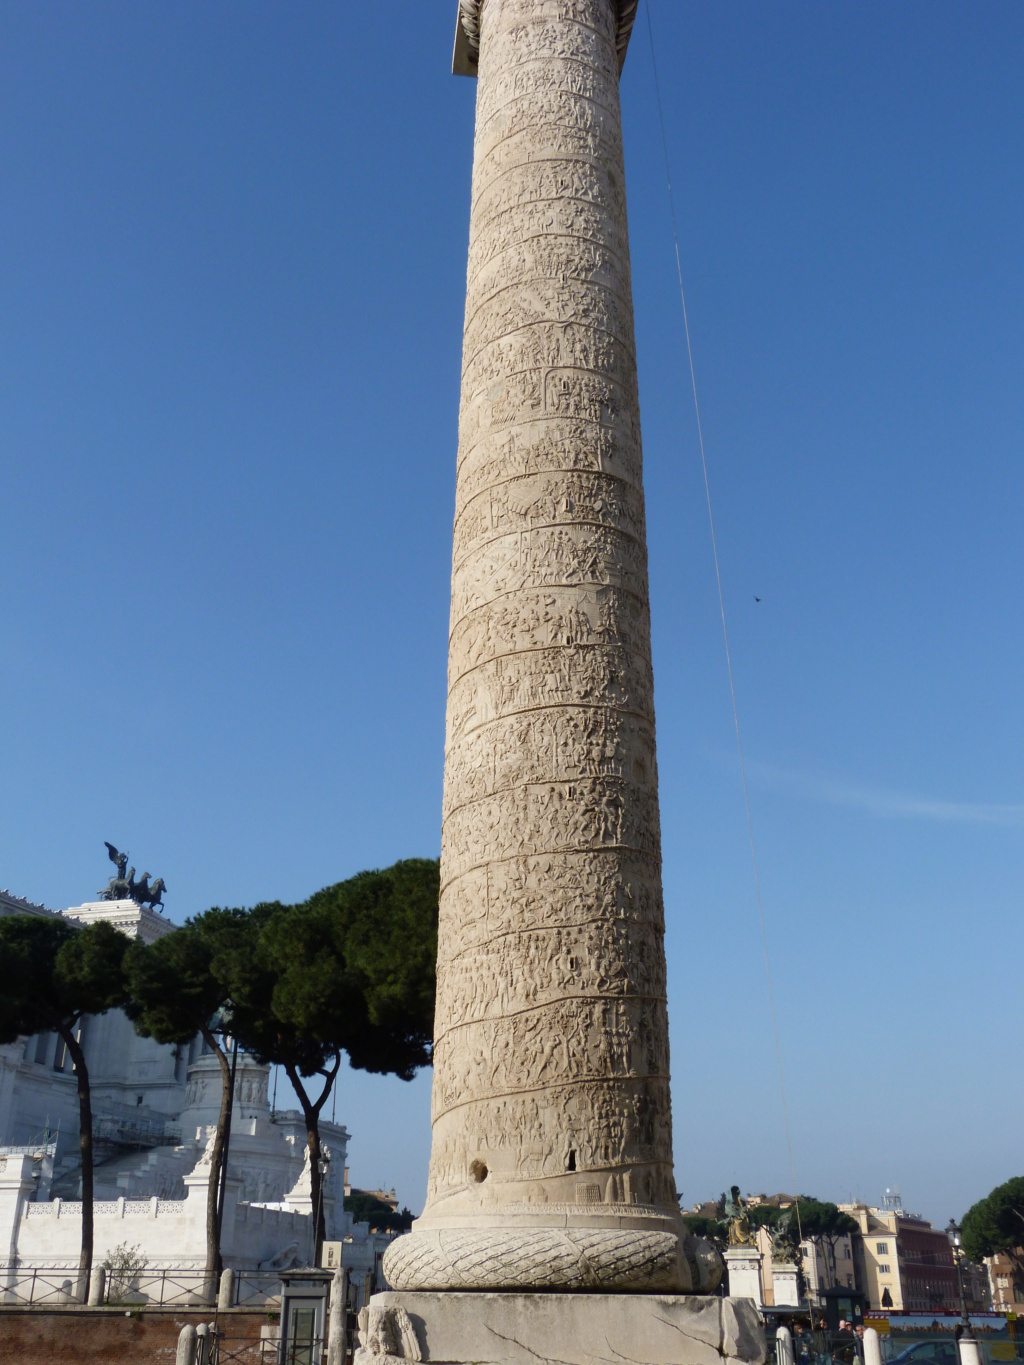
x: 328, y: 1082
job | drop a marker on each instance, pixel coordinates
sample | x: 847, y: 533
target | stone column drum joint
x: 551, y: 1159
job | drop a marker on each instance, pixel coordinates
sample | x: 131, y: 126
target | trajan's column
x: 551, y: 1163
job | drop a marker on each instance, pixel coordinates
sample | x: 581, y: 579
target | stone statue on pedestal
x: 785, y: 1245
x: 124, y: 887
x: 738, y: 1221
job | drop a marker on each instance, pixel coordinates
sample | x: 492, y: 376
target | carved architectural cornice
x: 469, y: 19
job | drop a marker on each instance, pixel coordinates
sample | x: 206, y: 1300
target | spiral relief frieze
x: 551, y: 1160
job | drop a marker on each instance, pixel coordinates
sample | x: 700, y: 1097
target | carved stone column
x: 551, y: 1164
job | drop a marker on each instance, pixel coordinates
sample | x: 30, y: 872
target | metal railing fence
x: 42, y: 1286
x: 55, y: 1287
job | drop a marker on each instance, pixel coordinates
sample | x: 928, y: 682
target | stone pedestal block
x: 559, y: 1329
x: 744, y: 1269
x: 784, y: 1287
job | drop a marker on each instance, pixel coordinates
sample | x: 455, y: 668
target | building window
x: 884, y: 1270
x: 881, y: 1248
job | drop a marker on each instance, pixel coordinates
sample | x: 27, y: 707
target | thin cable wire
x: 721, y: 608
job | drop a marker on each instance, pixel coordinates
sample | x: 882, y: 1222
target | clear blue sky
x: 232, y: 264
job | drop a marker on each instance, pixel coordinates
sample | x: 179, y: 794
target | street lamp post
x: 953, y: 1233
x: 968, y: 1347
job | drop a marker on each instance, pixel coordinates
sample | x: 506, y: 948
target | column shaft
x: 551, y: 1161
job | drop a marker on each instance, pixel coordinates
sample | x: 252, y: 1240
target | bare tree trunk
x: 85, y: 1147
x: 213, y: 1258
x: 316, y: 1186
x: 311, y: 1113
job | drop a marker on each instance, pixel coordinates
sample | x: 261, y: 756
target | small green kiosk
x: 840, y: 1303
x: 303, y: 1316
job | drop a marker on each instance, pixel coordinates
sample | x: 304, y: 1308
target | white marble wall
x: 169, y: 1233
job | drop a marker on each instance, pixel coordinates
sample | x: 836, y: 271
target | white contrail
x: 884, y: 804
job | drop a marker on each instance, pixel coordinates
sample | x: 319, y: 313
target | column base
x: 559, y: 1329
x: 644, y: 1252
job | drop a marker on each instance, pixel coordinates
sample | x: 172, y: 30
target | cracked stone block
x: 567, y: 1329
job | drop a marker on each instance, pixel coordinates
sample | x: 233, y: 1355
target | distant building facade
x: 902, y: 1262
x: 828, y: 1265
x: 1005, y: 1286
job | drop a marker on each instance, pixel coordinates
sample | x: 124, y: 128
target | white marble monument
x: 551, y: 1159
